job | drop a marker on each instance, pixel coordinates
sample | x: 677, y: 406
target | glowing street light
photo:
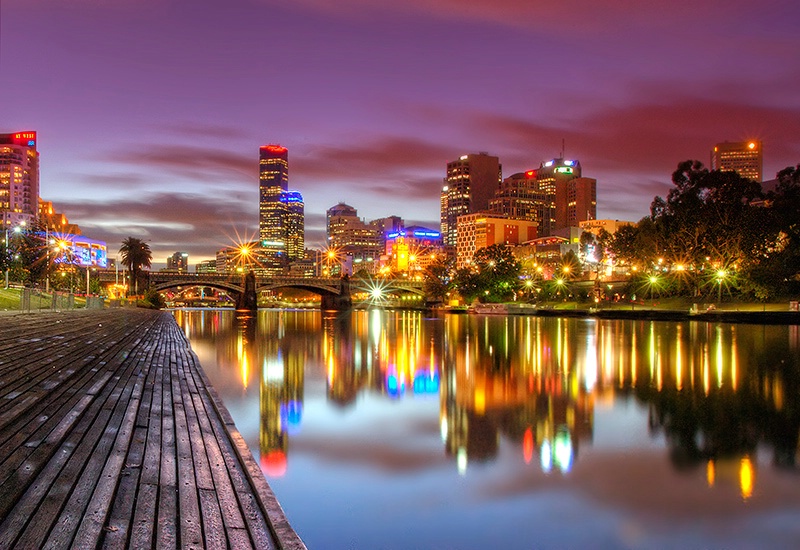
x: 17, y: 229
x: 721, y: 274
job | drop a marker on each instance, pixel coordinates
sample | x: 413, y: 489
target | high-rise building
x: 281, y: 212
x: 353, y: 240
x: 19, y: 178
x: 470, y: 183
x: 576, y: 201
x: 519, y: 198
x: 273, y: 182
x: 744, y: 157
x: 294, y: 225
x: 178, y: 262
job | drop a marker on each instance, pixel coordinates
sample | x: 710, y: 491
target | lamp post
x: 17, y: 229
x: 720, y: 277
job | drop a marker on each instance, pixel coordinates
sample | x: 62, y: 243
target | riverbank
x: 111, y: 434
x: 668, y: 310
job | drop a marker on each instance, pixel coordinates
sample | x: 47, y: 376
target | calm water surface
x: 399, y: 430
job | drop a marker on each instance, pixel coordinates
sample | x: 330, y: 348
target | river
x: 403, y: 430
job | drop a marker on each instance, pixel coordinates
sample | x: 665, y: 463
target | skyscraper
x: 470, y: 183
x: 744, y: 157
x: 576, y: 201
x: 19, y: 178
x: 519, y: 198
x: 294, y: 224
x: 273, y: 181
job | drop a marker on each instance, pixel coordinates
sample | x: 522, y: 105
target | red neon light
x: 275, y: 149
x: 527, y: 446
x: 530, y: 174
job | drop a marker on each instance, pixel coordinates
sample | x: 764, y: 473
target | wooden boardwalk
x: 111, y: 436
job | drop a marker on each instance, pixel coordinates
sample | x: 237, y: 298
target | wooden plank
x: 119, y: 440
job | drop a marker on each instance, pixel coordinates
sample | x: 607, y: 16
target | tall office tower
x: 179, y: 262
x: 519, y: 198
x: 470, y: 183
x: 273, y: 181
x: 552, y: 176
x: 744, y: 157
x: 294, y: 225
x: 19, y: 178
x: 576, y: 201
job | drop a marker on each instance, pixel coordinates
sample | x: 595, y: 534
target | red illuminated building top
x: 274, y: 149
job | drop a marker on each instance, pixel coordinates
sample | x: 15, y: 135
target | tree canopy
x: 135, y: 255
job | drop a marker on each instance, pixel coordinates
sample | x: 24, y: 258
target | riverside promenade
x: 111, y: 436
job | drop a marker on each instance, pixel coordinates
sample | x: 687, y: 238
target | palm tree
x: 135, y: 254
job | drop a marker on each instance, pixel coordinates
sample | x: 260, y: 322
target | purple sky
x: 150, y: 113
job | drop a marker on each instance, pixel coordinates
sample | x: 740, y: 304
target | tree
x: 498, y: 272
x: 437, y: 279
x: 135, y: 254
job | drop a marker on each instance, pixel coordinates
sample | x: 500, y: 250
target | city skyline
x: 148, y: 113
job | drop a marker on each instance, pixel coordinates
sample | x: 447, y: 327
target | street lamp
x: 721, y: 274
x: 17, y: 229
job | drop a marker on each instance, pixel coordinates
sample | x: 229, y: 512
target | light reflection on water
x: 384, y: 429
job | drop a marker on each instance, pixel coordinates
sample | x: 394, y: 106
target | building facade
x: 519, y: 198
x: 178, y: 262
x: 469, y: 185
x: 294, y: 225
x: 281, y: 212
x: 744, y: 157
x: 352, y: 241
x: 576, y: 201
x: 481, y: 230
x: 19, y: 178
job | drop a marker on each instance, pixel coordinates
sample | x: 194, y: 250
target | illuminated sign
x: 564, y: 170
x: 24, y: 138
x: 530, y: 174
x: 549, y: 163
x: 78, y: 250
x: 569, y: 163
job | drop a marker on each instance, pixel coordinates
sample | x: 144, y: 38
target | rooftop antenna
x: 562, y: 148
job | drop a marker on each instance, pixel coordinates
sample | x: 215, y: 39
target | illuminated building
x: 353, y: 239
x: 481, y: 230
x: 609, y: 226
x: 281, y: 212
x: 245, y: 257
x: 206, y: 266
x: 572, y: 202
x: 178, y: 262
x: 413, y: 248
x: 19, y: 178
x: 294, y: 225
x: 519, y: 198
x: 470, y: 183
x: 55, y: 222
x: 743, y: 157
x: 576, y: 201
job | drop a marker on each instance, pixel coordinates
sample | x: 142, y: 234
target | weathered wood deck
x: 111, y: 436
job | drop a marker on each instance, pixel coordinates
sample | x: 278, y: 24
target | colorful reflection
x: 716, y: 394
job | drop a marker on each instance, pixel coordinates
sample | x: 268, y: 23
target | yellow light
x: 751, y: 145
x: 746, y: 477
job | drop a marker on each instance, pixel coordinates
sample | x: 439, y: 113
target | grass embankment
x: 678, y: 304
x: 11, y: 300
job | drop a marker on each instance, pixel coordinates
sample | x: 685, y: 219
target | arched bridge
x: 335, y: 292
